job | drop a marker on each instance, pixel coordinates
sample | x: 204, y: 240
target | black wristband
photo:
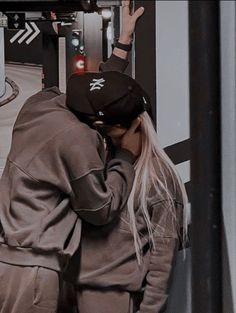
x: 122, y: 46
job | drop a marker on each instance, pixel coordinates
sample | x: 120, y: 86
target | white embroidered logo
x: 97, y: 84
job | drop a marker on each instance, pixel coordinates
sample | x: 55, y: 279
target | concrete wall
x: 173, y: 115
x: 228, y: 84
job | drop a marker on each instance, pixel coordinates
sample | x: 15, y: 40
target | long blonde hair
x: 146, y: 177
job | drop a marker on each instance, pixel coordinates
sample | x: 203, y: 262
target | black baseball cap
x: 111, y: 97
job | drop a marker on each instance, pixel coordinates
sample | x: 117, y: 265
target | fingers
x: 135, y: 124
x: 138, y: 13
x: 125, y: 3
x: 126, y: 7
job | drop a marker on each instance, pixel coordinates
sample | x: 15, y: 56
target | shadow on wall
x: 180, y: 293
x: 227, y: 290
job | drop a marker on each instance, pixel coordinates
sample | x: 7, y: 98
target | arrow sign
x: 36, y: 32
x: 17, y: 35
x: 26, y: 34
x: 16, y: 21
x: 31, y: 33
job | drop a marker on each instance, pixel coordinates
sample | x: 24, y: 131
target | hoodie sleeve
x: 162, y: 257
x: 98, y: 193
x: 114, y: 63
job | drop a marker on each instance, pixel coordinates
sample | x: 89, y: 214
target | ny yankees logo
x: 97, y: 84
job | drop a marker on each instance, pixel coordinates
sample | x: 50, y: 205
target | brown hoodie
x: 106, y: 259
x: 54, y: 175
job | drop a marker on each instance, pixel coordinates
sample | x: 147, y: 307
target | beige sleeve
x: 162, y: 257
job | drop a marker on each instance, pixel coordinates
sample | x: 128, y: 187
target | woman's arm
x: 118, y: 59
x: 128, y: 26
x: 162, y: 257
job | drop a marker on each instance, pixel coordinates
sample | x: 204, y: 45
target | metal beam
x: 50, y: 5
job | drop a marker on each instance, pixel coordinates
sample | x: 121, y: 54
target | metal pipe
x: 205, y: 156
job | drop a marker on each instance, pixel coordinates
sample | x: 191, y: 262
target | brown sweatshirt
x: 107, y: 258
x: 54, y: 175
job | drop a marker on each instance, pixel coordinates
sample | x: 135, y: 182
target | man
x: 54, y: 175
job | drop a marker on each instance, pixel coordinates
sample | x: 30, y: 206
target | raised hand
x: 128, y: 22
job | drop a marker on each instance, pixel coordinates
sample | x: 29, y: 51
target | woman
x: 126, y: 266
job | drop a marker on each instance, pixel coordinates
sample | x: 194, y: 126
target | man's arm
x: 118, y: 59
x: 99, y: 194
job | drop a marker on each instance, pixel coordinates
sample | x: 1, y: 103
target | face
x: 115, y: 132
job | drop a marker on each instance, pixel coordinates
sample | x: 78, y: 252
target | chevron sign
x: 26, y: 35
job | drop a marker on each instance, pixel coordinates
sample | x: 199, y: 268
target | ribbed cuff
x: 114, y: 63
x: 125, y: 155
x: 28, y: 257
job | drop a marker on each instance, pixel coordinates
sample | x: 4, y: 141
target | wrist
x: 122, y: 46
x: 125, y: 39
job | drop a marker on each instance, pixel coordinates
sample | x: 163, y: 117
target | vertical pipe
x: 62, y: 63
x: 50, y: 56
x: 70, y: 49
x: 104, y: 40
x: 206, y: 156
